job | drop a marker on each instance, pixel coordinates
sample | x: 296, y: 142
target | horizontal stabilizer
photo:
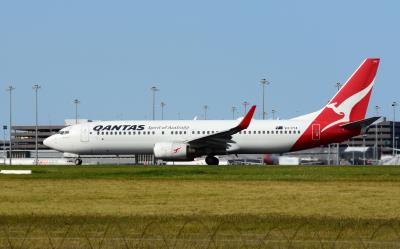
x: 360, y: 123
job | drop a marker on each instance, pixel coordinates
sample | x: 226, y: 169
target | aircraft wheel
x: 78, y: 161
x: 212, y: 160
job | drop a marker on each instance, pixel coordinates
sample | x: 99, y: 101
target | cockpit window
x: 63, y: 132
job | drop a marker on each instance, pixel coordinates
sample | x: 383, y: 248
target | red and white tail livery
x: 183, y: 140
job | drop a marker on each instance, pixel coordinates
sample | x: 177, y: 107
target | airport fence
x: 194, y: 233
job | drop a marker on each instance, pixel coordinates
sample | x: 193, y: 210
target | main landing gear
x: 212, y: 160
x: 78, y: 161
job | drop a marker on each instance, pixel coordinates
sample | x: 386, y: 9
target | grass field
x: 201, y: 207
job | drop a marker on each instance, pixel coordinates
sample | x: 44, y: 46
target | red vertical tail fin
x: 348, y: 105
x: 351, y: 102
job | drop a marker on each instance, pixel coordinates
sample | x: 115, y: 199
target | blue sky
x: 109, y: 53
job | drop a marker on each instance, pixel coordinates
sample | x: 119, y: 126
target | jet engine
x: 173, y: 151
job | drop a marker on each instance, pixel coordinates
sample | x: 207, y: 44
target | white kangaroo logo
x: 346, y: 106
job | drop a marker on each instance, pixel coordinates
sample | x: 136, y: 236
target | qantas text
x: 118, y: 128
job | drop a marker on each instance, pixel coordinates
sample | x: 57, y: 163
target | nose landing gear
x: 212, y: 160
x: 78, y: 161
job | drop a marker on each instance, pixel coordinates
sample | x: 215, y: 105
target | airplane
x: 184, y: 140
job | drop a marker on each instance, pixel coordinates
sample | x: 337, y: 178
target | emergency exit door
x: 316, y: 131
x: 85, y: 133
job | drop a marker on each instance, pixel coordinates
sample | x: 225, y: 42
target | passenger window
x: 138, y: 132
x: 204, y: 132
x: 208, y: 132
x: 98, y: 133
x: 102, y: 133
x: 154, y: 132
x: 133, y: 133
x: 184, y: 132
x: 281, y: 132
x: 106, y: 132
x: 180, y: 132
x: 192, y: 132
x: 162, y: 133
x: 244, y: 132
x: 172, y: 133
x: 285, y: 132
x: 272, y: 132
x: 129, y: 133
x: 263, y: 132
x: 198, y: 132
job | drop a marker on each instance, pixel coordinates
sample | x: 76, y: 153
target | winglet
x: 246, y: 120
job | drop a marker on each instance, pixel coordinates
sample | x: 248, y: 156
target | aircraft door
x: 85, y: 133
x: 316, y: 132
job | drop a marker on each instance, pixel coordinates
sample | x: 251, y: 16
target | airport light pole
x: 205, y: 111
x: 245, y: 104
x: 76, y: 102
x: 154, y: 90
x: 273, y: 113
x: 233, y: 108
x: 264, y: 83
x: 338, y: 154
x: 10, y: 89
x: 329, y: 154
x: 36, y: 87
x: 162, y: 109
x: 394, y: 104
x: 4, y: 143
x: 376, y: 135
x: 364, y: 150
x: 338, y: 85
x: 353, y: 154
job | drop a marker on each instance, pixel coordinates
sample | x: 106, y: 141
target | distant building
x: 382, y: 134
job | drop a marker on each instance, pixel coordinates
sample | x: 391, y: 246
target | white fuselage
x: 134, y: 137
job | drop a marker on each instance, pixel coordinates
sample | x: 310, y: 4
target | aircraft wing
x: 222, y: 139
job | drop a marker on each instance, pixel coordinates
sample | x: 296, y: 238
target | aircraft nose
x: 49, y: 142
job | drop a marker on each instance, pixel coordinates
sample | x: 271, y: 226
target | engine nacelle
x: 172, y: 151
